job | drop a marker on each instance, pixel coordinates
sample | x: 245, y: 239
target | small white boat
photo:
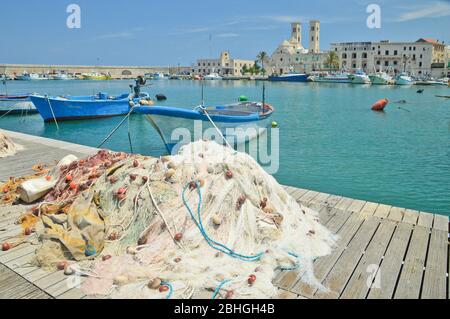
x: 62, y: 77
x: 31, y: 77
x: 159, y: 76
x: 213, y: 76
x: 404, y: 79
x: 16, y: 104
x: 359, y: 77
x: 381, y: 78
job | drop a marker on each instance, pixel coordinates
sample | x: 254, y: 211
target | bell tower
x: 296, y: 33
x: 314, y: 36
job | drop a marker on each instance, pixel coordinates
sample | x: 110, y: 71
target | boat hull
x: 78, y: 109
x: 180, y: 126
x: 16, y: 105
x: 291, y: 78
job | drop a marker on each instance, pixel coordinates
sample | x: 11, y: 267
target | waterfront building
x: 224, y: 66
x: 291, y: 56
x: 425, y: 57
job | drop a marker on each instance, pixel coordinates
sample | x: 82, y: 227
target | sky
x: 172, y: 32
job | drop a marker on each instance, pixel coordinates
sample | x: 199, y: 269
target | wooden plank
x: 307, y: 197
x: 359, y: 283
x: 441, y: 222
x: 284, y: 294
x: 412, y: 272
x: 50, y: 280
x: 17, y: 253
x: 411, y: 216
x: 435, y: 280
x: 287, y: 279
x: 382, y: 211
x: 323, y: 265
x: 74, y: 293
x: 369, y: 209
x: 344, y: 203
x: 69, y: 283
x: 344, y: 267
x: 396, y: 214
x: 425, y: 220
x: 356, y: 206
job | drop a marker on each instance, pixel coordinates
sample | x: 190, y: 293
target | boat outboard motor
x: 161, y: 97
x: 140, y: 81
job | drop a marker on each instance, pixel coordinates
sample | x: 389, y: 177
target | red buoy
x: 380, y: 105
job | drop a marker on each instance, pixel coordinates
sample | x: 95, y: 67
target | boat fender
x: 380, y: 105
x: 274, y: 124
x: 161, y: 97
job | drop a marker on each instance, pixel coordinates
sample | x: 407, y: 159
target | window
x: 420, y: 64
x: 395, y: 62
x: 395, y: 52
x: 354, y: 55
x: 373, y: 48
x: 364, y: 55
x: 386, y: 63
x: 199, y: 64
x: 344, y: 55
x: 421, y: 56
x: 414, y: 48
x: 378, y: 62
x: 404, y: 48
x: 386, y: 52
x: 354, y: 65
x: 410, y: 48
x: 379, y: 52
x: 312, y: 38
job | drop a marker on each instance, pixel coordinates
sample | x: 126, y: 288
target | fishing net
x: 206, y: 221
x: 7, y: 146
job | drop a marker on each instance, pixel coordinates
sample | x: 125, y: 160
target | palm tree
x: 332, y: 60
x: 262, y: 56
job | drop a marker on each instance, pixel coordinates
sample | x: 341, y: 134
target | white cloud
x: 192, y: 30
x: 434, y: 9
x: 285, y: 18
x: 118, y: 35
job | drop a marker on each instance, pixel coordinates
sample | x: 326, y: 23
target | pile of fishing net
x: 206, y: 221
x: 7, y: 146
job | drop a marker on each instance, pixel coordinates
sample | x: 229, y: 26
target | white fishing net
x: 158, y: 245
x: 7, y: 146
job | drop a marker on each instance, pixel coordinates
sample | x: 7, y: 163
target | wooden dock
x: 383, y: 251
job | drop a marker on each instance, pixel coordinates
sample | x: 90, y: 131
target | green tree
x: 332, y: 60
x: 262, y: 57
x: 244, y: 69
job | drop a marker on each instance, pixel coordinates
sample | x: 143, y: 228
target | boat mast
x: 4, y: 81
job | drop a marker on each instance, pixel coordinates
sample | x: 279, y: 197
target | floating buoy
x: 161, y: 97
x: 163, y: 288
x: 121, y: 191
x: 73, y: 186
x: 61, y: 265
x: 380, y: 105
x: 243, y: 98
x: 154, y: 284
x: 251, y: 279
x: 420, y: 91
x: 6, y: 246
x: 274, y: 124
x: 69, y: 178
x: 178, y: 236
x: 135, y: 163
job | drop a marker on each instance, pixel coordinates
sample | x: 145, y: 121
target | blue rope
x: 170, y: 289
x: 214, y: 244
x: 216, y: 292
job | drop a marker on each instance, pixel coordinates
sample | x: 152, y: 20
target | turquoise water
x: 330, y: 139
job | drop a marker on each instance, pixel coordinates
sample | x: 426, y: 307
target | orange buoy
x: 380, y: 105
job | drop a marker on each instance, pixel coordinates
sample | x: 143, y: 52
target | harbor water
x: 330, y: 140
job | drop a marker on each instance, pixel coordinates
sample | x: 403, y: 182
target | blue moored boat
x: 238, y: 123
x: 84, y: 107
x: 16, y: 104
x: 289, y: 77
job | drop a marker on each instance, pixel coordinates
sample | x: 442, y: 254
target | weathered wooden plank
x: 412, y: 273
x: 425, y: 220
x: 392, y: 262
x: 69, y: 283
x: 396, y: 214
x: 50, y: 280
x: 344, y: 203
x: 369, y: 209
x: 74, y: 293
x: 360, y: 281
x: 37, y: 294
x: 17, y: 253
x: 348, y: 261
x: 441, y: 222
x: 307, y: 197
x: 284, y: 294
x: 411, y: 216
x: 323, y: 265
x: 382, y: 211
x: 356, y: 206
x: 435, y: 280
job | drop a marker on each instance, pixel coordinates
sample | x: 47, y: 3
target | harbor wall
x: 115, y: 71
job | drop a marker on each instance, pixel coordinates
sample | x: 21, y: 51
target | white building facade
x: 224, y: 66
x: 425, y: 57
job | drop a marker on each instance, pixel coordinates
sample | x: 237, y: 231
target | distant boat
x: 404, y: 79
x: 31, y: 77
x: 213, y: 76
x: 16, y: 104
x: 335, y: 77
x: 240, y: 117
x: 62, y: 77
x: 84, y: 107
x: 159, y: 76
x: 381, y: 78
x: 289, y: 77
x: 94, y: 76
x: 359, y: 77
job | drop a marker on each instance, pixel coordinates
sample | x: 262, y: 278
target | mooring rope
x: 53, y: 113
x: 116, y: 128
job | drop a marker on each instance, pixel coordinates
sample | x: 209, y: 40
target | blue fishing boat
x: 16, y: 104
x: 289, y: 77
x: 85, y: 107
x: 237, y: 123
